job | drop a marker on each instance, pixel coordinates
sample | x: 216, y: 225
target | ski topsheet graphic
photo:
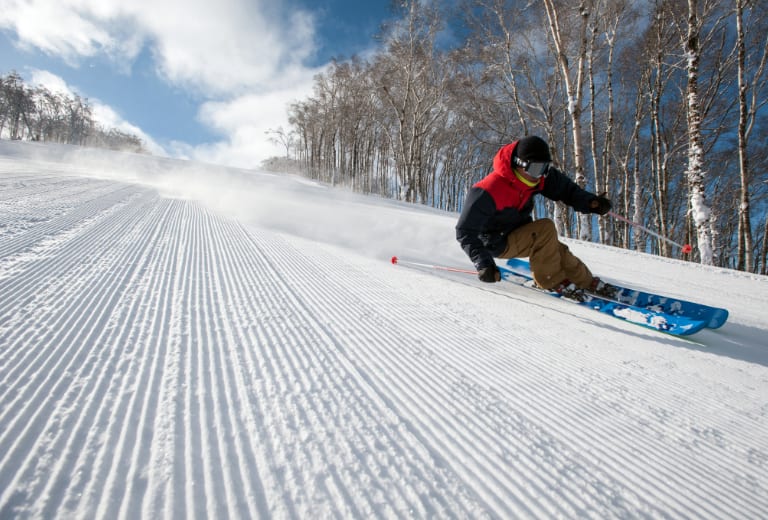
x: 714, y: 317
x: 656, y: 320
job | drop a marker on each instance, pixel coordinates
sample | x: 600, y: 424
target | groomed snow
x: 181, y: 340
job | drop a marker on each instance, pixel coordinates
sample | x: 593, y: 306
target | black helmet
x: 533, y: 149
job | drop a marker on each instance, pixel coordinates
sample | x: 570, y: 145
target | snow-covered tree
x: 695, y: 173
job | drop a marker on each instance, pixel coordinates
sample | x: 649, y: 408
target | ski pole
x: 685, y: 248
x: 396, y: 261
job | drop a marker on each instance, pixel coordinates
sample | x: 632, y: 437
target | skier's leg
x: 575, y: 270
x: 538, y: 241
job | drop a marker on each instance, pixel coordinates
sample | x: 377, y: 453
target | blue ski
x: 660, y: 321
x: 713, y: 317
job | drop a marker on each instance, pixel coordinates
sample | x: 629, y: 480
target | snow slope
x: 186, y: 341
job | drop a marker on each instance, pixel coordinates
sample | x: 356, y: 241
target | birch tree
x: 613, y: 23
x: 412, y: 85
x: 751, y: 99
x: 695, y: 173
x: 573, y: 76
x: 664, y: 123
x: 764, y: 250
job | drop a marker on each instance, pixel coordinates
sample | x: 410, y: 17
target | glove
x: 600, y: 204
x: 489, y: 274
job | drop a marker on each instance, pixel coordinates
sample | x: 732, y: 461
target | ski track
x: 158, y: 360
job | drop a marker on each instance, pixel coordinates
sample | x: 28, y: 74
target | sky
x: 200, y: 79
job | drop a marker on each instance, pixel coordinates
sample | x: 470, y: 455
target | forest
x: 659, y: 103
x: 37, y: 114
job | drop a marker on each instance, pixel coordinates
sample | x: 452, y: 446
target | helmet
x: 532, y: 155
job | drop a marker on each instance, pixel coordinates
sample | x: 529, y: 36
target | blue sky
x: 200, y: 79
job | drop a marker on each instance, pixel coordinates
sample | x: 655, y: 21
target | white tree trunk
x: 700, y: 210
x: 575, y: 91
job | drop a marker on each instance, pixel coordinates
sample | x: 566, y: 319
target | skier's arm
x: 558, y: 186
x: 478, y: 210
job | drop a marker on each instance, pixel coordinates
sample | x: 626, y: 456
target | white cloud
x: 56, y: 28
x: 225, y: 46
x: 220, y: 46
x: 236, y: 54
x: 51, y: 82
x: 245, y: 120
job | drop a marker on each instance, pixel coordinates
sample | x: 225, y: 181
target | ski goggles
x: 535, y: 169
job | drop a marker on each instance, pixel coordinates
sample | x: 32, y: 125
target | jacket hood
x: 502, y: 163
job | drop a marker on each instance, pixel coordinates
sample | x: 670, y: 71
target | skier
x: 496, y: 220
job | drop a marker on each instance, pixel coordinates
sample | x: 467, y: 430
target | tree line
x: 659, y: 103
x: 37, y: 114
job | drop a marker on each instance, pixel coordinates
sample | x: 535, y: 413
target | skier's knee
x: 545, y: 229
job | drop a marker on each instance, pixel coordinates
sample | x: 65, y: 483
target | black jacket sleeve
x: 473, y: 221
x: 559, y: 187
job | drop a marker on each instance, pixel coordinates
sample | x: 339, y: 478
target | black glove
x: 600, y: 204
x: 489, y: 274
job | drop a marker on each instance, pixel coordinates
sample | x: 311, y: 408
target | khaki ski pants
x: 551, y: 261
